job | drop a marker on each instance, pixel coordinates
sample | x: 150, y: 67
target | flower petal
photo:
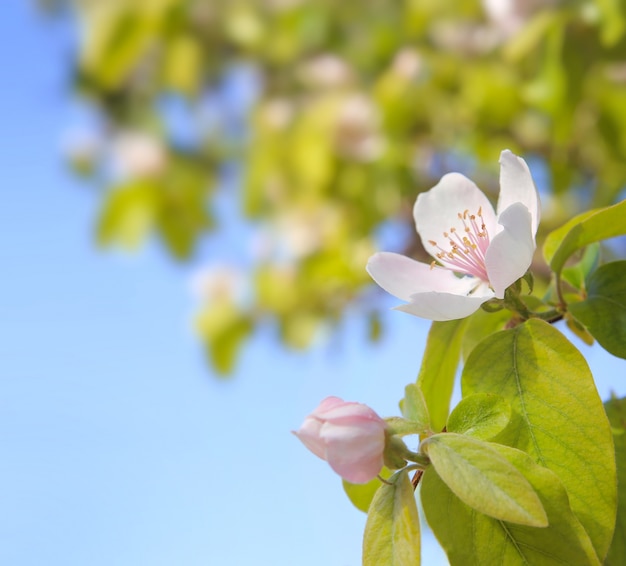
x: 446, y: 306
x: 436, y: 211
x: 511, y: 251
x: 355, y: 453
x: 402, y: 276
x: 326, y: 405
x: 516, y: 185
x: 351, y: 412
x: 309, y: 435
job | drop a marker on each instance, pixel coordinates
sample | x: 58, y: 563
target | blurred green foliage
x: 359, y: 106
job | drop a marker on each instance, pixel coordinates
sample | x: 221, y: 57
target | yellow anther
x: 432, y: 264
x: 432, y: 242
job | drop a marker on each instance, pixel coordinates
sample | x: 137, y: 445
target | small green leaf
x: 438, y: 370
x: 397, y: 426
x: 482, y: 416
x: 473, y: 539
x: 483, y: 479
x: 603, y: 312
x: 414, y: 407
x: 129, y: 213
x: 224, y: 329
x: 576, y: 274
x: 582, y: 230
x: 361, y: 494
x: 616, y: 411
x: 562, y: 423
x: 392, y: 530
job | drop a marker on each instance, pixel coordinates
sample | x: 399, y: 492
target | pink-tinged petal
x: 511, y: 251
x: 436, y: 211
x: 326, y: 405
x: 446, y: 306
x: 351, y: 413
x: 402, y: 276
x: 309, y: 435
x: 517, y: 185
x: 355, y: 452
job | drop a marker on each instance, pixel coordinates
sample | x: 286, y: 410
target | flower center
x: 466, y: 252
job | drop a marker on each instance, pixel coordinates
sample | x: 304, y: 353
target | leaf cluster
x: 528, y: 467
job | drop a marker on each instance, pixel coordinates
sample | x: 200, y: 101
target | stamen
x: 466, y: 254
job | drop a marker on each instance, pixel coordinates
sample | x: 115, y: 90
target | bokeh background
x: 190, y: 193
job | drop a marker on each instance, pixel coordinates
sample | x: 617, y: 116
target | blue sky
x: 119, y: 446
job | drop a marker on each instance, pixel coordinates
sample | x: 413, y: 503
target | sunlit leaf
x: 563, y: 425
x: 482, y: 416
x: 438, y: 370
x: 483, y: 479
x: 392, y: 533
x: 582, y: 230
x: 471, y: 538
x: 414, y: 407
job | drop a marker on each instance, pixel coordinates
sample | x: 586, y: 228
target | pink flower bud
x: 349, y: 436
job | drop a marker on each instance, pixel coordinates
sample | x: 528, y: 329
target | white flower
x: 459, y: 228
x: 137, y: 154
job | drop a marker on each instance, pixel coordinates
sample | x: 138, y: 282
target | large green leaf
x: 482, y: 416
x: 483, y: 479
x: 480, y: 325
x: 616, y: 411
x: 603, y: 312
x: 562, y: 423
x: 392, y: 531
x: 586, y: 228
x: 441, y: 359
x: 473, y: 539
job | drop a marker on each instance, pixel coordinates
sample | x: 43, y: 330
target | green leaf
x: 397, y: 426
x: 224, y: 329
x: 129, y: 213
x: 483, y: 479
x: 361, y: 494
x: 616, y: 411
x: 392, y: 530
x: 482, y: 416
x: 613, y: 21
x: 576, y: 274
x: 441, y: 359
x: 561, y: 423
x: 473, y: 539
x: 582, y: 230
x: 603, y: 312
x: 414, y: 408
x: 481, y: 324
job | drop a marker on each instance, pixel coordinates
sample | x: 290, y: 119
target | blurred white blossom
x: 407, y: 63
x: 326, y: 71
x: 509, y: 16
x: 277, y: 113
x: 138, y: 155
x: 357, y: 130
x: 218, y: 283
